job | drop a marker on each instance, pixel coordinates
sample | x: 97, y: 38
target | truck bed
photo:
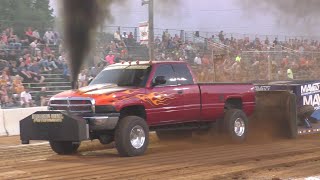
x: 214, y: 96
x: 223, y: 83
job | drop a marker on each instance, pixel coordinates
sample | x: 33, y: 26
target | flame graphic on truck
x: 154, y: 98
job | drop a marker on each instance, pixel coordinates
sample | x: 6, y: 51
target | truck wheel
x: 132, y: 136
x: 64, y: 147
x: 174, y: 135
x: 236, y: 125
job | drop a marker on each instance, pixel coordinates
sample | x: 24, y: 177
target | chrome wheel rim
x: 239, y: 127
x: 137, y: 137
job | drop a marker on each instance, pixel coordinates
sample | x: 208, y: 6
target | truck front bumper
x: 103, y: 122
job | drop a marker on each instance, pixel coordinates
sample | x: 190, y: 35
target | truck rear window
x: 183, y: 74
x: 133, y: 76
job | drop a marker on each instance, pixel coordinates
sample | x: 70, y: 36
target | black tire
x: 230, y: 118
x: 174, y: 135
x: 305, y: 111
x: 64, y: 147
x: 122, y: 136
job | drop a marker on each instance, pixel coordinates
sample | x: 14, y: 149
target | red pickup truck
x: 127, y: 100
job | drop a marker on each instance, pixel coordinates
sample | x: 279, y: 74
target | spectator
x: 276, y: 42
x: 238, y: 58
x: 4, y: 97
x: 94, y: 71
x: 82, y: 79
x: 290, y: 73
x: 17, y: 85
x: 4, y: 38
x: 24, y: 73
x: 41, y: 97
x: 197, y: 60
x: 26, y: 98
x: 130, y: 36
x: 5, y: 79
x: 117, y: 36
x: 221, y: 36
x: 36, y: 34
x: 124, y: 35
x: 48, y: 37
x: 29, y: 34
x: 110, y: 58
x: 13, y: 70
x: 34, y: 70
x: 66, y: 72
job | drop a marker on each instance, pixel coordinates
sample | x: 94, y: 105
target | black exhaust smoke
x: 81, y: 18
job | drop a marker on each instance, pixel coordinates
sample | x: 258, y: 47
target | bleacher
x: 54, y: 82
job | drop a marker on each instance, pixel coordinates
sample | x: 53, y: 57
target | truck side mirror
x: 159, y: 80
x: 90, y: 80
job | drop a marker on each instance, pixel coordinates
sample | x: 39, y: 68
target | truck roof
x: 148, y: 62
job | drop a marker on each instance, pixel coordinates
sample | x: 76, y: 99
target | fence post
x: 182, y: 35
x: 136, y: 33
x: 214, y: 65
x: 269, y: 68
x: 186, y: 36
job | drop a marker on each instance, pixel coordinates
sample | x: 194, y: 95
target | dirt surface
x: 198, y: 158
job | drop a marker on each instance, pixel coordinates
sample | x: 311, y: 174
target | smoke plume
x: 296, y: 14
x: 81, y: 18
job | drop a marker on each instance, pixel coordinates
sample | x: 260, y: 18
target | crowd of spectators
x: 22, y: 61
x: 218, y: 58
x: 222, y: 58
x: 243, y: 59
x: 268, y: 60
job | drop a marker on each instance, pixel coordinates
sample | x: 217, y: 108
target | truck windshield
x: 135, y: 76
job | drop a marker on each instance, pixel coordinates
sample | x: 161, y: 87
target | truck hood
x: 91, y: 91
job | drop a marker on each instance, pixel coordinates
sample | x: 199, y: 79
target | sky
x: 201, y: 15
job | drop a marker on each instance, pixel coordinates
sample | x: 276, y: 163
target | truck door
x: 190, y: 92
x: 166, y: 102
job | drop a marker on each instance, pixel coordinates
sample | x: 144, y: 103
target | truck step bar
x: 183, y: 126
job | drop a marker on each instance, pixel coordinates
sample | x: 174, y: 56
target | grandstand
x: 216, y: 53
x: 55, y: 83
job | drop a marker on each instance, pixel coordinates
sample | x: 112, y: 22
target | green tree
x: 21, y: 14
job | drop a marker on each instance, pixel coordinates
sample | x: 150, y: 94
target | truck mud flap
x: 53, y: 126
x: 275, y: 115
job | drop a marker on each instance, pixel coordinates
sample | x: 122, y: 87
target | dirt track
x: 194, y: 159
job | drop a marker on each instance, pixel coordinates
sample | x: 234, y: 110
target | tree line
x: 21, y: 14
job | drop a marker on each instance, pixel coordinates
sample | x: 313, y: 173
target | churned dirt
x: 197, y: 158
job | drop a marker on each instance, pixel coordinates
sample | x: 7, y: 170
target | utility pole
x: 151, y: 28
